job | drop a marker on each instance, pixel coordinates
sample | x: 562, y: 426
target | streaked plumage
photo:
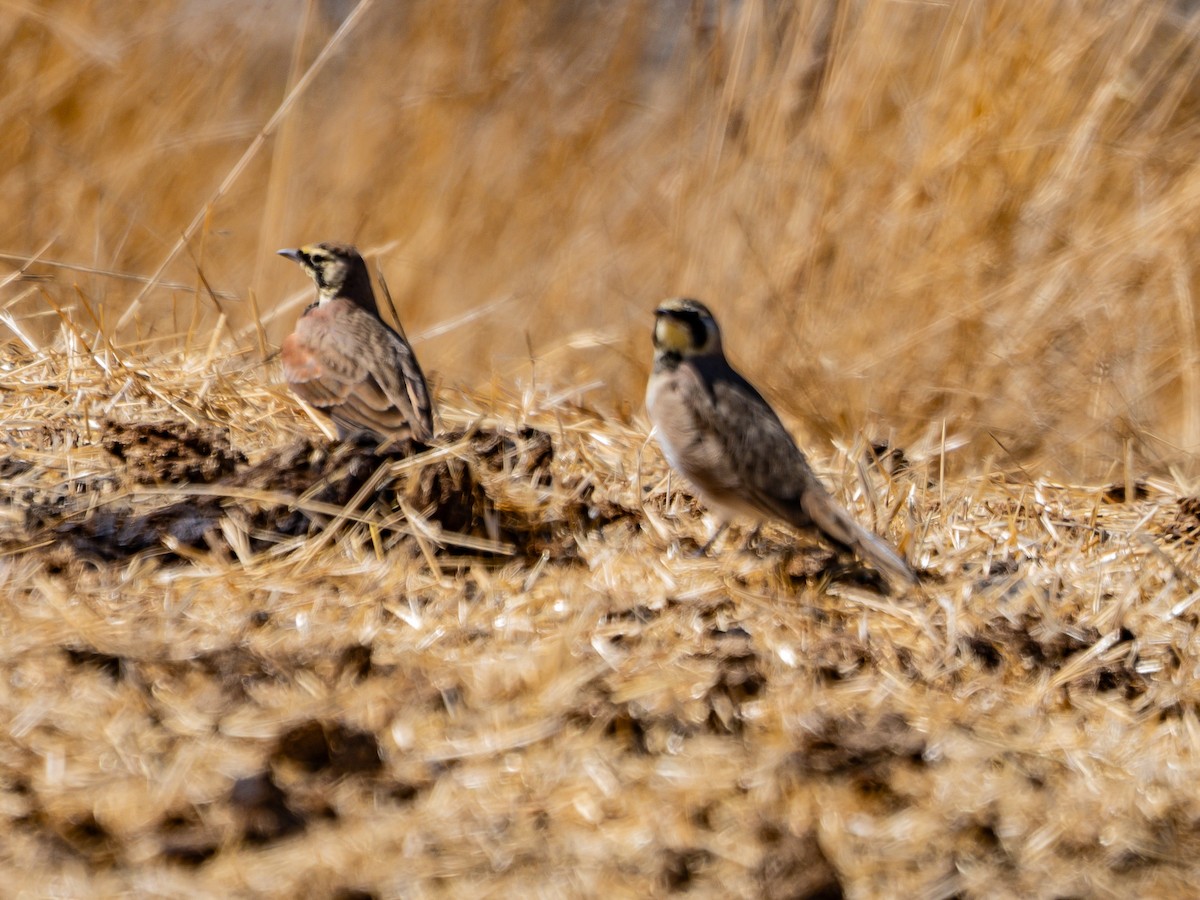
x: 345, y: 361
x: 719, y: 432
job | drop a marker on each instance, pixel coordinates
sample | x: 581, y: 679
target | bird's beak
x: 293, y: 255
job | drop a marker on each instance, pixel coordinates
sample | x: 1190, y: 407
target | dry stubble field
x: 241, y: 660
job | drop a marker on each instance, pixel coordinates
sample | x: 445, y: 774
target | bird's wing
x: 770, y: 469
x: 777, y: 478
x: 402, y: 382
x: 358, y: 371
x: 314, y: 374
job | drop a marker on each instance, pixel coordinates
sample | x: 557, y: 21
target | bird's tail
x: 838, y: 525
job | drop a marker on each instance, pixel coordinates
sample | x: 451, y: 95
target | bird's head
x: 338, y: 271
x: 684, y: 327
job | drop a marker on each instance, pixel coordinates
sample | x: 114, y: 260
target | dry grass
x: 966, y: 228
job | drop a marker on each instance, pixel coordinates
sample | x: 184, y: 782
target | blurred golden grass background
x: 965, y: 227
x: 976, y: 217
x: 374, y: 709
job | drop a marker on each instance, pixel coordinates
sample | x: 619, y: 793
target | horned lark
x: 343, y: 358
x: 719, y: 432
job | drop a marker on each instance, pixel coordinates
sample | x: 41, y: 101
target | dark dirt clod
x: 892, y: 460
x: 90, y: 840
x: 330, y: 746
x: 171, y: 452
x: 528, y: 452
x: 185, y: 840
x: 234, y: 668
x: 112, y: 534
x: 12, y: 467
x: 445, y: 490
x: 353, y: 894
x: 264, y: 810
x: 1185, y: 524
x: 857, y: 745
x: 999, y: 640
x: 355, y: 661
x: 1120, y: 493
x: 681, y: 866
x: 110, y: 665
x: 794, y: 867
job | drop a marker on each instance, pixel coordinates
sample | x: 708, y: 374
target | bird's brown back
x: 348, y: 363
